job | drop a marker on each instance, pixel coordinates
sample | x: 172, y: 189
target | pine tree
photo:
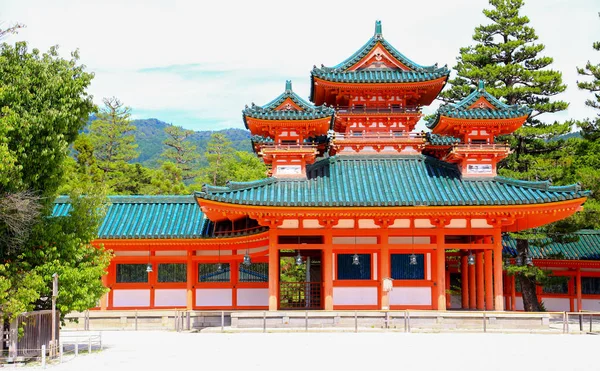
x: 181, y: 151
x: 112, y: 136
x: 590, y: 129
x: 219, y: 152
x: 507, y: 57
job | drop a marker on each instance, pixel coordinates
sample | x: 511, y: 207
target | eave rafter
x: 509, y: 217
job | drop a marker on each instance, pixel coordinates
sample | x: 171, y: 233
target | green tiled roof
x: 379, y: 180
x: 441, y: 140
x: 587, y: 248
x: 268, y: 112
x: 339, y: 72
x: 147, y: 217
x: 461, y: 110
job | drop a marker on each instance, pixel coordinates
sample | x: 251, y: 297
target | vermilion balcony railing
x: 300, y: 295
x: 288, y: 147
x: 418, y: 137
x: 374, y: 110
x: 482, y: 146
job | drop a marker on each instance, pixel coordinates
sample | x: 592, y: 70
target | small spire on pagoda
x: 288, y: 86
x: 378, y: 33
x: 481, y: 85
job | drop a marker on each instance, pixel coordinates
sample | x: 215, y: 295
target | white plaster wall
x: 350, y: 240
x: 556, y: 304
x: 406, y: 240
x: 590, y: 304
x: 355, y: 296
x: 170, y: 298
x: 519, y: 303
x: 131, y: 298
x: 455, y: 302
x: 345, y: 223
x: 480, y: 223
x: 131, y: 253
x: 289, y: 223
x: 253, y: 297
x: 401, y: 223
x: 410, y: 296
x: 214, y: 297
x: 457, y: 223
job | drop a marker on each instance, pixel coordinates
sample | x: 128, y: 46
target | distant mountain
x: 150, y: 135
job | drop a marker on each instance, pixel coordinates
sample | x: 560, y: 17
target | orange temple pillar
x: 104, y: 298
x: 441, y: 271
x: 273, y: 271
x: 513, y: 293
x: 327, y: 271
x: 448, y: 295
x: 464, y: 278
x: 385, y: 268
x: 498, y: 287
x: 479, y: 278
x: 190, y: 282
x: 489, y: 290
x: 578, y: 286
x: 472, y: 288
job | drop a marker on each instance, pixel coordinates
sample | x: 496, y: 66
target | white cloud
x: 201, y: 61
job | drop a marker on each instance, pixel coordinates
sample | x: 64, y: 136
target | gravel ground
x: 170, y: 351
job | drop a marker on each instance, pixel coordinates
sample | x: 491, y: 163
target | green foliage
x: 62, y: 245
x: 218, y: 153
x: 181, y: 151
x: 224, y: 164
x: 150, y: 136
x: 507, y: 57
x: 44, y: 104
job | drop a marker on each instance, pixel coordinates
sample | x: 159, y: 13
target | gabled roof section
x: 479, y: 105
x: 288, y: 106
x: 441, y: 140
x: 378, y: 41
x: 146, y: 217
x: 379, y: 180
x: 586, y: 248
x: 378, y: 62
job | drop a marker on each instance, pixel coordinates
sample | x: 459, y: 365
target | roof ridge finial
x: 378, y: 33
x: 481, y: 85
x: 288, y: 86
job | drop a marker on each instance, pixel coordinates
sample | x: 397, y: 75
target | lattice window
x: 172, y: 272
x: 403, y: 270
x: 210, y: 272
x: 255, y: 272
x: 132, y: 273
x: 590, y: 285
x: 348, y: 271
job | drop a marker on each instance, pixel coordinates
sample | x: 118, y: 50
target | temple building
x: 376, y: 215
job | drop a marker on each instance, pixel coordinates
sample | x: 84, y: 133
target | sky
x: 196, y: 64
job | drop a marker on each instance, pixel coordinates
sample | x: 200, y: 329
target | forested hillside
x: 150, y: 136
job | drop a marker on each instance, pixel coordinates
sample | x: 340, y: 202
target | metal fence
x: 359, y: 321
x: 71, y: 345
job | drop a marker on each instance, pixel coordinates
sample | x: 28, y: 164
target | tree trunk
x: 528, y: 285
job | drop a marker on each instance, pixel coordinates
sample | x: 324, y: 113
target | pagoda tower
x: 465, y: 133
x: 378, y: 94
x: 289, y: 133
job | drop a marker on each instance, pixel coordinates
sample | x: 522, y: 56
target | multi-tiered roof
x: 479, y: 108
x: 372, y: 164
x: 377, y: 64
